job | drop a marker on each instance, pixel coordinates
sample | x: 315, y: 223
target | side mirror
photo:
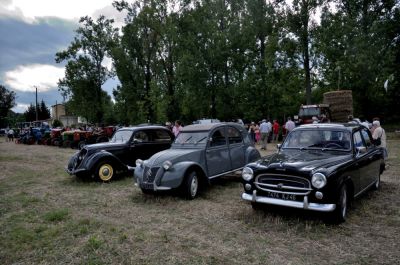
x: 361, y: 150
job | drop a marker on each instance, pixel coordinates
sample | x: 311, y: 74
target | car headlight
x: 139, y: 162
x: 167, y: 164
x: 247, y: 173
x: 318, y: 180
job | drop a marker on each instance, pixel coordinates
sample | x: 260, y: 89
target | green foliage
x: 43, y: 112
x: 248, y: 59
x: 57, y: 123
x: 7, y: 101
x: 84, y: 72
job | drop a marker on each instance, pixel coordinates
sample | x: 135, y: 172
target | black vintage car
x: 319, y: 167
x: 104, y: 160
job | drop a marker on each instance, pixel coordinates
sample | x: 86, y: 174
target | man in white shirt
x: 379, y: 132
x: 289, y: 125
x: 264, y: 130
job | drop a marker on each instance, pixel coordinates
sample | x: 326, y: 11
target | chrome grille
x: 149, y: 174
x: 283, y: 184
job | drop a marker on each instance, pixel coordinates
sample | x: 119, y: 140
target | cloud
x: 20, y: 108
x: 24, y: 78
x: 29, y: 11
x: 24, y: 43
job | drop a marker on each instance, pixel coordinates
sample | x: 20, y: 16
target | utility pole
x: 36, y: 107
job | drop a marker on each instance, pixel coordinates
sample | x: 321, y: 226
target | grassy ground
x: 48, y: 217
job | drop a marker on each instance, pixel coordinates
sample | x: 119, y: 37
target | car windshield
x: 121, y: 136
x: 318, y: 139
x: 185, y: 138
x: 312, y: 111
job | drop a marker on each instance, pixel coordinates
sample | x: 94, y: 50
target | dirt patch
x: 50, y: 217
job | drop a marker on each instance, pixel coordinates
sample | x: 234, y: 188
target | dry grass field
x: 49, y: 217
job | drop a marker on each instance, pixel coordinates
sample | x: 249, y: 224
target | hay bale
x: 340, y: 103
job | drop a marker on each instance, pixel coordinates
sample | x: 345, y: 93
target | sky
x: 32, y: 32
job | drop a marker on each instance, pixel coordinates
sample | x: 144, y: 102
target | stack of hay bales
x: 340, y: 103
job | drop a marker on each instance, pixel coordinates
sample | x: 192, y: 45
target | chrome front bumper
x: 294, y: 204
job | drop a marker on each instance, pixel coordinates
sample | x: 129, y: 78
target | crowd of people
x: 266, y: 131
x: 263, y: 132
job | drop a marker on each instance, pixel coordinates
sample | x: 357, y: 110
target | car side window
x: 366, y: 137
x: 218, y: 138
x: 357, y: 140
x: 162, y: 136
x: 140, y: 137
x: 234, y: 136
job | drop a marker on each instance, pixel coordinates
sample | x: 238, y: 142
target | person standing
x: 10, y: 135
x: 275, y: 131
x: 269, y: 131
x: 289, y: 125
x: 177, y: 128
x: 379, y: 137
x: 257, y: 133
x: 264, y: 130
x: 252, y: 131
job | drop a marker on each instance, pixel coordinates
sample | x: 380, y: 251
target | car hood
x: 304, y: 160
x: 107, y: 146
x: 174, y: 155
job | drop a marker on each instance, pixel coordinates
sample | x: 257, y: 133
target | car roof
x: 342, y: 126
x: 133, y: 128
x: 210, y: 126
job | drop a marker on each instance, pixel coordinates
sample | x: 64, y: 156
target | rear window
x: 162, y: 136
x: 234, y: 136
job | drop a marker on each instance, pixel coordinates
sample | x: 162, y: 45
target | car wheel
x: 105, y: 171
x: 340, y: 213
x: 191, y: 185
x: 377, y: 183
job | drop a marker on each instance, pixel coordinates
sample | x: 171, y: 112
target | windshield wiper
x: 201, y: 140
x: 187, y: 140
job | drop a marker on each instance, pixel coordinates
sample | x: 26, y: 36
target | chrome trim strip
x: 227, y: 172
x: 161, y: 187
x: 361, y: 192
x: 293, y: 204
x: 283, y: 186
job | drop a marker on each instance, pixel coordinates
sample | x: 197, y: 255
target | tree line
x: 226, y: 59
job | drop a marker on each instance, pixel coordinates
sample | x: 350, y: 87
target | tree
x: 301, y: 24
x: 30, y: 113
x: 85, y: 73
x: 7, y: 101
x: 360, y: 44
x: 44, y: 112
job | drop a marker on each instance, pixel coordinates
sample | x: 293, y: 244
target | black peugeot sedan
x: 318, y: 167
x: 105, y: 160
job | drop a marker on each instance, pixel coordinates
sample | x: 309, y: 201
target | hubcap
x: 106, y: 172
x: 193, y: 186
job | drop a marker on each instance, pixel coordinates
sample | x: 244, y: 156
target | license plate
x: 282, y: 196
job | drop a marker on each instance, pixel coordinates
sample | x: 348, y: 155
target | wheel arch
x: 251, y: 155
x: 102, y: 157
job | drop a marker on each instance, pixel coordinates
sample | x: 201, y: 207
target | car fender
x: 251, y: 154
x: 174, y: 176
x: 91, y: 162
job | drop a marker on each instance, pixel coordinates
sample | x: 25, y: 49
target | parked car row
x: 318, y: 167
